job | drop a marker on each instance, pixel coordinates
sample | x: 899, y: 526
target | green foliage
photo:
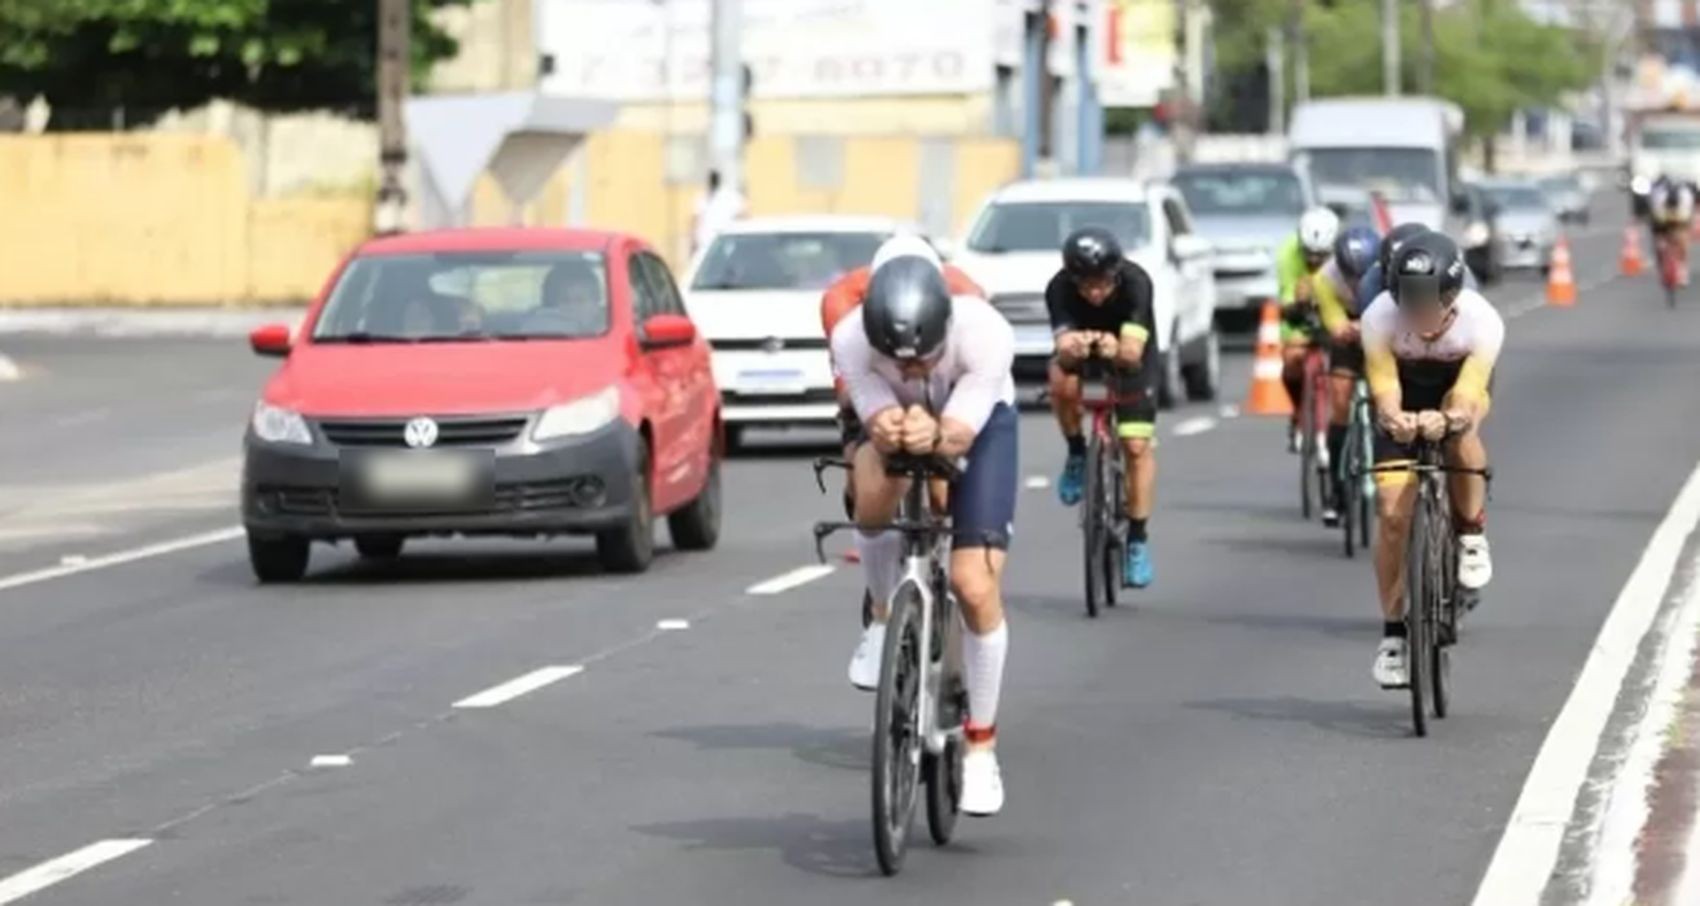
x: 157, y: 54
x: 1490, y: 58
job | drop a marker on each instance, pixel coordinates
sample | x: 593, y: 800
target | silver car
x: 1528, y: 227
x: 1246, y: 211
x: 1568, y: 196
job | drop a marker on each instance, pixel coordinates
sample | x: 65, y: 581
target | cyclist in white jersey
x: 930, y: 375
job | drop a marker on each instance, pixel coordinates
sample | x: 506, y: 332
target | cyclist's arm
x: 988, y: 353
x: 1062, y: 323
x: 1289, y: 270
x: 868, y: 391
x: 1140, y: 329
x: 1331, y: 306
x: 1381, y: 369
x: 1469, y: 395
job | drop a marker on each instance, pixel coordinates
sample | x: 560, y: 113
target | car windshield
x: 1399, y: 174
x: 1517, y: 198
x: 467, y: 297
x: 1561, y: 184
x: 1670, y: 139
x: 1242, y: 192
x: 1042, y: 226
x: 783, y: 260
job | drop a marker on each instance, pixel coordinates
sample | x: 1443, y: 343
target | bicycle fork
x: 933, y: 737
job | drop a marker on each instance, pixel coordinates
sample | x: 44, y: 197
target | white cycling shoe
x: 865, y: 663
x: 1389, y: 669
x: 982, y: 783
x: 1475, y: 564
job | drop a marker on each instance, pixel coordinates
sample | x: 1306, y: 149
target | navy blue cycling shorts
x: 982, y: 499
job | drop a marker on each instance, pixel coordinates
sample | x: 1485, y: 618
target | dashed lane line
x: 49, y: 873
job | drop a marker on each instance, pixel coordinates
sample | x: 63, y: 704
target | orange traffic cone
x: 1561, y: 283
x: 1268, y: 395
x: 1630, y: 262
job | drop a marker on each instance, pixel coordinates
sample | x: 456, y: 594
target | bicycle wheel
x: 943, y: 772
x: 1365, y: 445
x: 1417, y: 642
x: 1307, y: 451
x: 1349, y: 467
x: 1115, y: 495
x: 1442, y: 586
x: 1093, y: 525
x: 897, y: 730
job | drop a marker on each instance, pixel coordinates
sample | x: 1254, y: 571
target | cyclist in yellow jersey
x: 1430, y: 346
x: 1338, y: 306
x: 1297, y: 262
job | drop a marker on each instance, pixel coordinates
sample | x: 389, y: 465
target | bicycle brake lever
x: 820, y: 542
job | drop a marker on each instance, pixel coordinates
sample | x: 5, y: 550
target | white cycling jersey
x: 1477, y: 329
x: 971, y: 377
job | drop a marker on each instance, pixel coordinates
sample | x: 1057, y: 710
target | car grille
x: 522, y: 497
x: 1022, y: 308
x: 451, y: 431
x: 767, y: 344
x: 815, y: 395
x: 1240, y: 274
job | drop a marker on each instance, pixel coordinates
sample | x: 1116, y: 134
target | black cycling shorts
x: 1136, y: 401
x: 1346, y: 358
x: 849, y: 427
x: 1423, y: 386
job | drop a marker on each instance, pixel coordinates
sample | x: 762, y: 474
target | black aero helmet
x: 1355, y: 251
x: 907, y: 311
x: 1395, y: 240
x: 1091, y: 252
x: 1427, y: 270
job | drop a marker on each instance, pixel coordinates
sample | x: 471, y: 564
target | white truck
x: 1404, y: 148
x: 1662, y: 143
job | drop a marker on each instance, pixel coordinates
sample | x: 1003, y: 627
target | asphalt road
x: 1220, y: 741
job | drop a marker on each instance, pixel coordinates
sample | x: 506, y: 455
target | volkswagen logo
x: 420, y: 432
x: 772, y: 344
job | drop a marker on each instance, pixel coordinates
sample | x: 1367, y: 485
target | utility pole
x: 1425, y: 64
x: 1275, y: 61
x: 395, y: 33
x: 1301, y: 54
x: 726, y: 109
x: 1390, y: 46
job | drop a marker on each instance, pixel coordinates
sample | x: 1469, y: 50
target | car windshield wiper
x: 362, y: 337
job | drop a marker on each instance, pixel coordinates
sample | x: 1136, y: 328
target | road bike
x: 1673, y: 265
x: 1357, y: 455
x: 1434, y: 601
x: 1315, y: 485
x: 1103, y: 531
x: 922, y: 698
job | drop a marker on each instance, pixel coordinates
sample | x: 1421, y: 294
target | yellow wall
x: 151, y: 218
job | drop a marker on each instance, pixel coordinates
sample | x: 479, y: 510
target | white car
x: 1014, y: 249
x: 755, y: 292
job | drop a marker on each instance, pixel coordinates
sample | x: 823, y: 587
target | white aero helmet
x: 902, y: 245
x: 1318, y: 229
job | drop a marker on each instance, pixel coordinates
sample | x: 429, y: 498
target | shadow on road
x: 833, y: 747
x: 1388, y: 721
x: 842, y: 849
x: 1364, y: 627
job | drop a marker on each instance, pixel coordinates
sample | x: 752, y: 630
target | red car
x: 485, y: 382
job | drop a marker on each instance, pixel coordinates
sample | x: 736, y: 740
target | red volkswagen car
x: 485, y: 382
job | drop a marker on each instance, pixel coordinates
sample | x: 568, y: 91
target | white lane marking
x: 9, y: 370
x: 73, y: 560
x: 1037, y: 482
x: 1198, y: 424
x: 802, y: 575
x: 1528, y: 851
x: 673, y: 625
x: 1229, y: 410
x: 514, y: 688
x: 69, y: 865
x: 1615, y: 849
x: 330, y: 761
x: 118, y: 559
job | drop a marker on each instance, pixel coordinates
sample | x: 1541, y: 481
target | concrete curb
x: 153, y: 322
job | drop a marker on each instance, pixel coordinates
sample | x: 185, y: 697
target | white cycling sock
x: 983, y: 657
x: 882, y: 563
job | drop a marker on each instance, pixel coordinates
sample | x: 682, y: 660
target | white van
x: 1404, y: 148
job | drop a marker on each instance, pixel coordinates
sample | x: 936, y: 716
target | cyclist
x: 1374, y: 283
x: 1670, y: 205
x: 1429, y: 348
x: 930, y: 375
x: 1339, y: 306
x: 1100, y: 302
x: 1296, y: 264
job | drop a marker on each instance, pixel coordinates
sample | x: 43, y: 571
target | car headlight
x: 277, y: 425
x: 1477, y: 234
x: 581, y: 416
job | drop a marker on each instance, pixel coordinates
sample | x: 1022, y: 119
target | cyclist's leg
x: 1347, y: 361
x: 1469, y: 505
x: 877, y: 498
x: 1396, y: 494
x: 1065, y: 405
x: 1293, y: 349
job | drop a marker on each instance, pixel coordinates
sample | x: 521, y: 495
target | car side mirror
x: 270, y: 340
x: 664, y: 331
x: 1460, y: 204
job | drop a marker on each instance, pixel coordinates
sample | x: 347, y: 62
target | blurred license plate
x: 773, y: 380
x: 420, y: 478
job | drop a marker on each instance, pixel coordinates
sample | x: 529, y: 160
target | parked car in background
x: 1013, y: 249
x: 1246, y: 211
x: 1568, y: 196
x: 755, y: 292
x: 1527, y: 226
x: 485, y: 382
x: 1480, y: 237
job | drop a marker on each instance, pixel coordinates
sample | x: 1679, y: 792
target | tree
x: 154, y: 55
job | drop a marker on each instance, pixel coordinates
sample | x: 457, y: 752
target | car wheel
x: 278, y: 559
x: 697, y: 526
x: 1170, y: 382
x: 1204, y: 377
x: 630, y: 548
x: 379, y: 547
